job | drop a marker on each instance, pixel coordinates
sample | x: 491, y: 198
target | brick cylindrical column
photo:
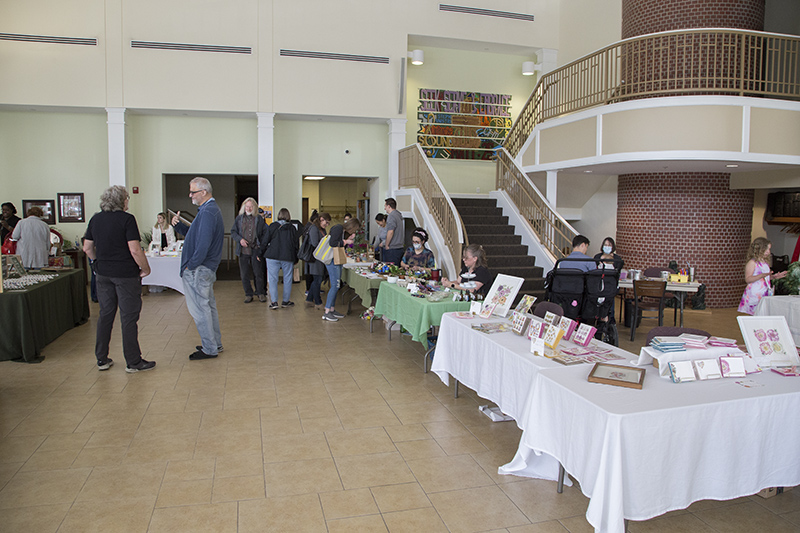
x: 689, y: 217
x: 640, y: 17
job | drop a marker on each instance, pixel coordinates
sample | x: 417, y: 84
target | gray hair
x: 249, y: 199
x: 113, y: 198
x: 203, y: 184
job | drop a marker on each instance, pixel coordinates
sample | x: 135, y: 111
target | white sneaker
x: 329, y: 317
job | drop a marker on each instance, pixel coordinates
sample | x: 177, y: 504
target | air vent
x: 47, y: 39
x: 337, y: 57
x: 192, y: 47
x: 485, y: 12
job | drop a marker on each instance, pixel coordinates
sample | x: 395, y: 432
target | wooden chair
x: 542, y: 308
x: 671, y: 331
x: 655, y: 272
x: 647, y: 289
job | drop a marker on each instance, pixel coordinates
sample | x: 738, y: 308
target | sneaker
x: 273, y: 305
x: 200, y: 348
x: 337, y: 314
x: 309, y: 303
x: 248, y: 299
x: 105, y: 365
x: 141, y: 366
x: 200, y: 354
x: 329, y: 317
x: 287, y: 304
x: 262, y: 298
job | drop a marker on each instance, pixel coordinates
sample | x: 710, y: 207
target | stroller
x: 586, y: 296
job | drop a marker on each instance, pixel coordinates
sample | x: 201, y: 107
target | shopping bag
x: 339, y: 257
x: 324, y: 252
x: 296, y: 274
x: 9, y: 246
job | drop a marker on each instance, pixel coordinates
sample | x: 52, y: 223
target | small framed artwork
x: 519, y: 322
x: 48, y: 207
x: 503, y: 292
x: 621, y: 376
x: 769, y: 340
x: 70, y: 207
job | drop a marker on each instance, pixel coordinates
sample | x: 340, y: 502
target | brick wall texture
x: 692, y: 217
x: 640, y: 17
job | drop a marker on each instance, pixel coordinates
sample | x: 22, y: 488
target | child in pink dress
x: 757, y: 275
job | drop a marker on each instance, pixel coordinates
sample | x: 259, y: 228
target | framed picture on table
x: 48, y: 206
x: 503, y: 292
x: 621, y: 376
x: 769, y: 340
x: 70, y: 207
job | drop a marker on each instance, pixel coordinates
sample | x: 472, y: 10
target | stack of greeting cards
x: 668, y: 344
x: 491, y: 327
x: 720, y: 341
x: 694, y: 341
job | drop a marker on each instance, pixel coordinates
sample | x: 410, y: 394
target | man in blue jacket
x: 202, y: 253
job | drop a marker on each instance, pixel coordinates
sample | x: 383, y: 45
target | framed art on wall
x: 48, y: 206
x: 70, y: 207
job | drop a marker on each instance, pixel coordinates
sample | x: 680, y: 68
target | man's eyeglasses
x: 192, y: 193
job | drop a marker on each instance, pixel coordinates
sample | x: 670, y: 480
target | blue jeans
x: 395, y: 255
x: 273, y: 265
x: 334, y: 272
x: 198, y: 287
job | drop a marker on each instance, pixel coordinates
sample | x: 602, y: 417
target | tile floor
x: 300, y: 425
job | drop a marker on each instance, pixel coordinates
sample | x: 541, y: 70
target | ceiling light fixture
x: 417, y: 57
x: 314, y: 178
x: 732, y: 166
x: 528, y: 68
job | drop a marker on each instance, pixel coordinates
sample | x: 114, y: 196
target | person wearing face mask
x: 477, y: 270
x: 417, y: 257
x: 609, y: 254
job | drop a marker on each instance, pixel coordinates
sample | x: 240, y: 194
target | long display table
x: 165, y: 271
x: 416, y: 315
x: 30, y: 319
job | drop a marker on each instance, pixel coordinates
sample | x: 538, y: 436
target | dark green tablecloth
x: 33, y: 318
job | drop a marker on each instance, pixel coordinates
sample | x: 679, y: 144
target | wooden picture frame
x: 71, y: 207
x: 48, y: 206
x: 621, y: 376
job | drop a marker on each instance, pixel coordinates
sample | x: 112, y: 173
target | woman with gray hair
x: 112, y: 243
x: 33, y: 239
x: 249, y: 232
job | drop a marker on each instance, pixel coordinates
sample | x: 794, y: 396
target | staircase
x: 486, y: 225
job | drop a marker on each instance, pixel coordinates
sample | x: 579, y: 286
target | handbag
x: 9, y: 246
x: 324, y: 252
x: 306, y: 252
x: 339, y: 256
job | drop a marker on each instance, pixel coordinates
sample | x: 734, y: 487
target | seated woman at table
x: 609, y: 255
x: 417, y: 257
x: 757, y: 274
x: 163, y: 233
x: 475, y: 270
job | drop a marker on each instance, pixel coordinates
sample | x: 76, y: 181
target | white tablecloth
x: 165, y: 271
x: 788, y: 306
x: 640, y: 453
x: 648, y: 353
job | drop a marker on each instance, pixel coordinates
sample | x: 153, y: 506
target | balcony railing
x: 715, y: 62
x: 415, y: 171
x: 553, y: 231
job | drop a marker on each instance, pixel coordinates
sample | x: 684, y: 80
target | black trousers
x: 125, y: 293
x: 251, y: 268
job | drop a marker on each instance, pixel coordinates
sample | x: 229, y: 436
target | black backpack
x: 306, y: 252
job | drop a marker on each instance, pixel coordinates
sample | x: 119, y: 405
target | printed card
x: 475, y: 308
x: 519, y: 323
x: 568, y: 325
x: 536, y: 329
x: 584, y: 334
x: 551, y: 318
x: 707, y: 369
x: 525, y: 303
x: 553, y: 336
x: 537, y: 346
x: 682, y: 371
x: 487, y: 309
x: 732, y: 366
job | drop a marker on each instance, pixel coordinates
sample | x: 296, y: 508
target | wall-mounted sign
x: 462, y: 124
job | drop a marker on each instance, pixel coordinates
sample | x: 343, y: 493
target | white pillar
x: 266, y: 159
x: 397, y: 141
x: 548, y: 58
x: 552, y: 183
x: 117, y: 174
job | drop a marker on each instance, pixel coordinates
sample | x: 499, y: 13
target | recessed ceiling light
x: 314, y: 178
x: 587, y: 171
x: 732, y: 166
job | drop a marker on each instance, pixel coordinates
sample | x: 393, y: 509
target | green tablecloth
x: 417, y: 315
x: 33, y: 318
x: 362, y: 285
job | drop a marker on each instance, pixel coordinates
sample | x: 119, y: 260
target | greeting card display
x: 682, y: 371
x: 536, y: 329
x: 584, y: 334
x: 537, y: 346
x: 788, y: 370
x: 487, y: 309
x: 707, y: 369
x: 503, y: 292
x: 568, y: 326
x: 551, y: 318
x: 553, y: 336
x: 732, y: 366
x: 769, y: 340
x: 520, y: 323
x: 525, y: 303
x: 568, y: 360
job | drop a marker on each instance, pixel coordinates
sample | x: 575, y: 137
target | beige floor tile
x: 102, y: 456
x: 7, y: 471
x: 282, y: 427
x: 449, y: 473
x: 348, y: 503
x: 43, y: 488
x: 190, y: 469
x: 301, y: 447
x: 358, y: 524
x: 279, y: 413
x: 292, y: 513
x: 64, y: 441
x: 477, y: 509
x: 401, y: 497
x: 103, y: 438
x: 448, y: 428
x: 301, y: 477
x: 420, y: 449
x: 211, y: 518
x: 414, y: 413
x: 742, y: 517
x: 229, y: 421
x: 191, y: 492
x: 19, y: 449
x: 233, y: 443
x: 540, y: 501
x: 786, y: 502
x: 373, y: 470
x: 577, y: 524
x: 238, y: 488
x: 42, y: 519
x: 321, y: 425
x: 679, y: 523
x: 245, y: 399
x: 408, y: 432
x: 414, y: 520
x: 359, y: 442
x: 551, y: 526
x: 239, y: 466
x: 164, y: 446
x: 125, y: 482
x: 461, y: 445
x: 160, y: 423
x: 54, y: 460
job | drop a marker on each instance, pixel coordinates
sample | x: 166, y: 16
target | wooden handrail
x: 704, y: 61
x: 416, y: 171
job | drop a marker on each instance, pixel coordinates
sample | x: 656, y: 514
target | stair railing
x: 416, y: 171
x: 554, y: 232
x: 683, y: 62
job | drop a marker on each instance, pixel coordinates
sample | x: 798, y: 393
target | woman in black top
x: 281, y: 254
x: 315, y: 270
x: 8, y: 221
x: 340, y: 235
x: 475, y: 262
x: 609, y: 255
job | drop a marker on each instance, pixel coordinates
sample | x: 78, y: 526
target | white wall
x: 599, y: 216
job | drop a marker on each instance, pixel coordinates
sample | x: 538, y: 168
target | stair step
x: 520, y: 272
x: 491, y: 240
x: 483, y: 219
x: 500, y: 261
x: 471, y: 202
x: 488, y: 229
x: 496, y: 249
x: 480, y: 211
